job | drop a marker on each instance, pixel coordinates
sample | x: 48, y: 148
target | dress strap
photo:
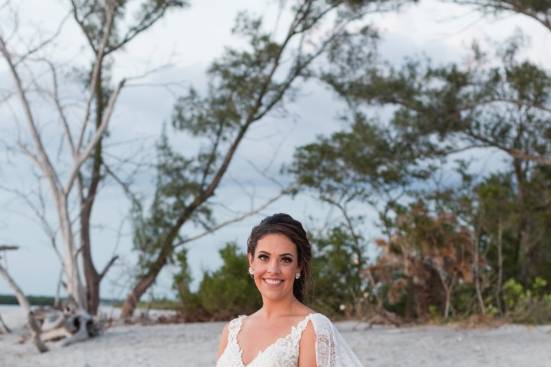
x: 233, y: 328
x: 296, y: 331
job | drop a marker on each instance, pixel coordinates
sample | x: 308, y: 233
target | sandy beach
x: 195, y: 344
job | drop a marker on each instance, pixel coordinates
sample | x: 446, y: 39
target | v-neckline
x: 262, y: 351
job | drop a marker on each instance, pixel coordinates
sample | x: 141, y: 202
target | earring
x: 297, y: 275
x: 251, y: 271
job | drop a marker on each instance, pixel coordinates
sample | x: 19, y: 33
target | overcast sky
x: 189, y: 40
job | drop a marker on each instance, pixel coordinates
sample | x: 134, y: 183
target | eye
x: 287, y: 260
x: 263, y: 257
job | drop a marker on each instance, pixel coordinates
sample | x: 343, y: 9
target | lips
x: 273, y: 282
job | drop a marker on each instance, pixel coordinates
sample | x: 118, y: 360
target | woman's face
x: 275, y: 264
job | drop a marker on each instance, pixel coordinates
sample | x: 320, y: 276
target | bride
x: 284, y: 332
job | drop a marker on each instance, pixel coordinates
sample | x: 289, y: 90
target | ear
x: 250, y: 257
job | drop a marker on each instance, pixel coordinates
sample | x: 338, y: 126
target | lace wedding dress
x: 331, y: 348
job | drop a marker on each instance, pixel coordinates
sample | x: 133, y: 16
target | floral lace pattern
x: 326, y: 350
x: 331, y: 348
x: 281, y: 353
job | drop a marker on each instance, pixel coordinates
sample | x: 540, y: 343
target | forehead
x: 276, y: 244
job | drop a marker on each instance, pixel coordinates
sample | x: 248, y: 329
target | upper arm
x: 307, y: 354
x: 223, y: 341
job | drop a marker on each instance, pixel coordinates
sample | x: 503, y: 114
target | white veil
x: 331, y: 348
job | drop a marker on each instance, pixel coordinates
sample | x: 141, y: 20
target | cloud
x: 189, y: 41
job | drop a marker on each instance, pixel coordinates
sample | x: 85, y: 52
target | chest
x: 262, y: 345
x: 255, y: 340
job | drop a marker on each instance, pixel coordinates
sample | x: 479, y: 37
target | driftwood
x: 48, y: 324
x: 4, y: 329
x: 68, y: 325
x: 24, y: 303
x: 35, y: 333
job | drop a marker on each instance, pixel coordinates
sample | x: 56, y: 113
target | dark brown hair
x: 284, y: 224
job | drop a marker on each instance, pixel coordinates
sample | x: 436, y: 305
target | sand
x: 195, y: 344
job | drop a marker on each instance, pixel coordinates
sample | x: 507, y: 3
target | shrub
x: 530, y: 306
x: 338, y: 288
x: 222, y: 294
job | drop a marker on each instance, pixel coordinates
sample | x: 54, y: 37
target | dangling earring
x: 297, y: 275
x: 251, y: 271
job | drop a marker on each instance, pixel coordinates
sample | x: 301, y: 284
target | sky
x: 185, y: 43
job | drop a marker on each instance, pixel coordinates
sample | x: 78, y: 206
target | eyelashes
x: 264, y: 258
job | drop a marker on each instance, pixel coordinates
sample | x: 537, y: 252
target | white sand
x: 195, y: 344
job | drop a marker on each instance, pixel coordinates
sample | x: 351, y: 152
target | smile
x: 273, y: 281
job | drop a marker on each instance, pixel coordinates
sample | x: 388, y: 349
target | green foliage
x: 338, y: 284
x: 222, y: 294
x: 536, y: 9
x: 358, y: 163
x: 91, y: 14
x: 243, y: 86
x: 501, y: 216
x: 532, y: 306
x: 178, y: 182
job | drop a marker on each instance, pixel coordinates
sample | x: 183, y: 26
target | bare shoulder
x: 223, y: 340
x: 304, y: 310
x: 307, y: 354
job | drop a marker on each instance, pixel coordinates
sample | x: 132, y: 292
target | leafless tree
x: 61, y: 183
x: 73, y: 190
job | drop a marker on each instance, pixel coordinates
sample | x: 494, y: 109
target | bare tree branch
x: 233, y: 220
x: 98, y: 63
x: 108, y: 266
x: 43, y: 159
x: 84, y: 155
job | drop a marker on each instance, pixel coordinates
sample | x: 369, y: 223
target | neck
x: 276, y: 308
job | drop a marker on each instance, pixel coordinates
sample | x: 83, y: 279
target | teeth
x: 273, y: 281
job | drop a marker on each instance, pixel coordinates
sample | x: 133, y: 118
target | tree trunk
x: 74, y: 284
x: 148, y: 279
x: 137, y: 292
x: 91, y: 274
x: 499, y: 284
x: 447, y: 304
x: 523, y: 237
x: 476, y: 269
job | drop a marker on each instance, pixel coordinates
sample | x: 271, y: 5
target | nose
x: 273, y: 266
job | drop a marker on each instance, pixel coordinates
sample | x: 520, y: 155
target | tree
x: 106, y: 31
x: 338, y: 282
x: 435, y: 113
x: 90, y: 16
x: 455, y: 108
x: 244, y: 87
x: 536, y: 10
x: 427, y: 253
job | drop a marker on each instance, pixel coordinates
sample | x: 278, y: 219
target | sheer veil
x: 331, y: 348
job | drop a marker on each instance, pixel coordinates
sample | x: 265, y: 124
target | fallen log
x: 70, y: 325
x: 55, y: 334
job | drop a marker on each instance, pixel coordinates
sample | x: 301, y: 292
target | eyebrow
x: 267, y: 253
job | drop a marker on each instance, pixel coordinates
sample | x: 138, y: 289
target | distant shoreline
x: 37, y: 300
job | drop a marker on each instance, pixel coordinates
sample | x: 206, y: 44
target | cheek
x: 287, y: 270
